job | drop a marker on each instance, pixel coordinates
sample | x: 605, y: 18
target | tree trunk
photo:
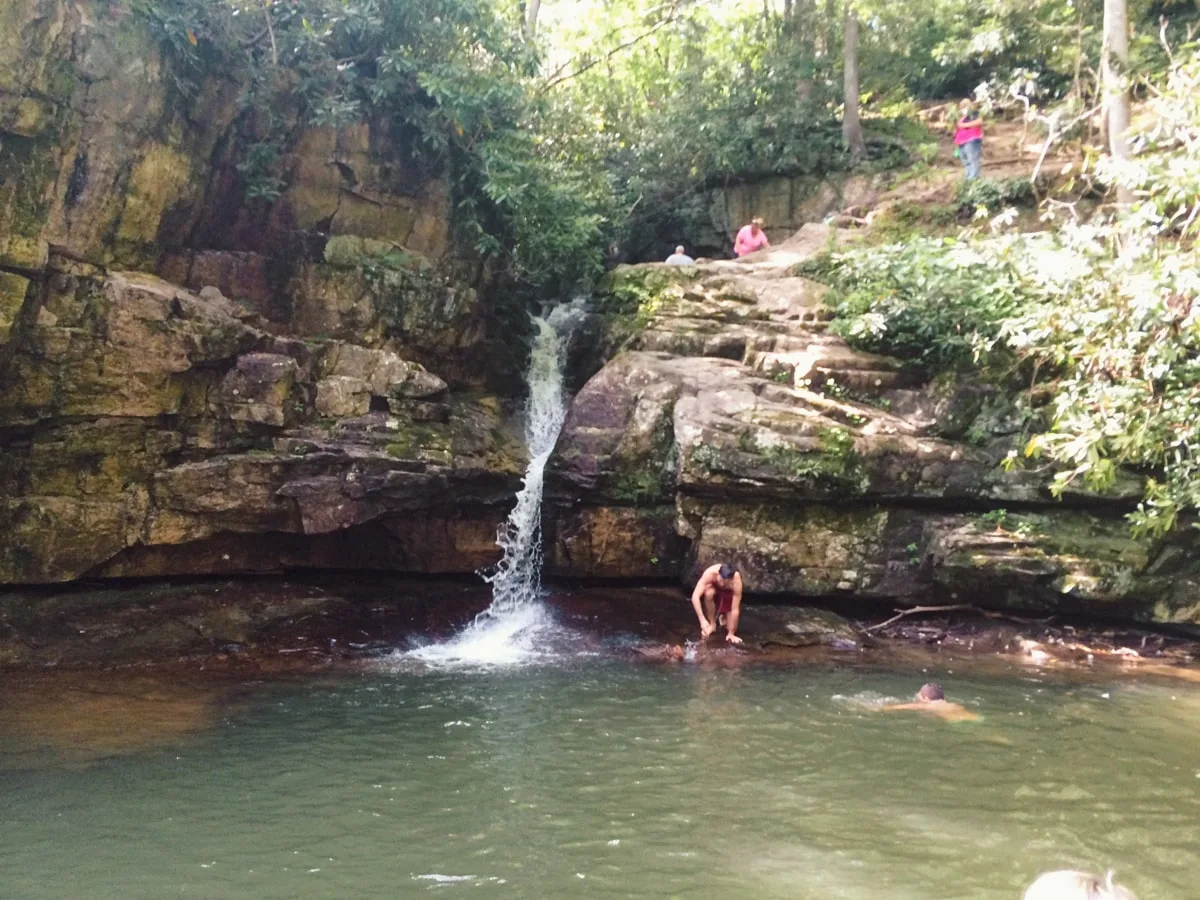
x: 830, y: 41
x: 531, y: 14
x: 852, y: 134
x: 1114, y: 68
x: 803, y: 28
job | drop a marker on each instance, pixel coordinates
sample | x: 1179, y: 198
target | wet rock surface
x: 234, y: 621
x: 282, y: 626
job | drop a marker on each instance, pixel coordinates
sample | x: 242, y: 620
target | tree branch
x: 556, y: 78
x: 1052, y: 126
x: 271, y: 32
x: 953, y: 607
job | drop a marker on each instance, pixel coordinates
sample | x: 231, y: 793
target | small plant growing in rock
x: 706, y: 456
x: 782, y: 376
x: 996, y: 517
x: 259, y: 168
x: 831, y: 388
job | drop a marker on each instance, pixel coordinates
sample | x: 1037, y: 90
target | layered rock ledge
x: 151, y: 431
x: 197, y: 377
x: 731, y: 425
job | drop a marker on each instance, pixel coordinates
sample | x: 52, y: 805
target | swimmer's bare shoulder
x: 954, y: 712
x: 943, y: 709
x: 930, y: 699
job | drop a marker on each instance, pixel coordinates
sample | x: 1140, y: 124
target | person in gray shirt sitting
x: 679, y: 258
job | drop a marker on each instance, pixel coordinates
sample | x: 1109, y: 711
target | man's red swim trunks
x: 724, y: 598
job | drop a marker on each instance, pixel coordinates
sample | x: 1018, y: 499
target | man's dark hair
x: 931, y: 691
x: 727, y: 571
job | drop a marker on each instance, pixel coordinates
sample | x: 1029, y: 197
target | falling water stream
x: 510, y: 629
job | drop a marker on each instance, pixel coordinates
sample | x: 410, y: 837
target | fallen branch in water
x: 902, y: 613
x: 955, y: 607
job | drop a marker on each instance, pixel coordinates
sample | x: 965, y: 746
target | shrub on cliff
x: 935, y: 303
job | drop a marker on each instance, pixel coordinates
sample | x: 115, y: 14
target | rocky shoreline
x: 265, y: 626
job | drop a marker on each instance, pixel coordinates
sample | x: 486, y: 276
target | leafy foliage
x: 608, y: 130
x: 1125, y: 335
x: 933, y: 302
x: 699, y: 96
x: 1106, y: 314
x: 451, y: 80
x: 992, y: 195
x: 259, y: 169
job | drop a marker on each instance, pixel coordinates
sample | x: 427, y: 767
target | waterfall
x: 507, y: 630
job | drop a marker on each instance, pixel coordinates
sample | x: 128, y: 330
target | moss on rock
x: 158, y: 179
x: 12, y: 297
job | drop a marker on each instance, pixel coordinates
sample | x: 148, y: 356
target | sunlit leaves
x: 1107, y: 313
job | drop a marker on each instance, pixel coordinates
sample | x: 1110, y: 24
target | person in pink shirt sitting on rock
x: 750, y: 238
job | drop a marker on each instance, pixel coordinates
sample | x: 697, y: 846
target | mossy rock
x: 12, y: 298
x: 161, y: 176
x: 349, y: 251
x: 30, y: 165
x: 826, y: 465
x: 627, y: 289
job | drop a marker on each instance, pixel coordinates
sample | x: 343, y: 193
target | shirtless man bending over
x: 720, y: 590
x: 930, y: 699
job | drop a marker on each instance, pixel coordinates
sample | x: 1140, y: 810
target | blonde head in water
x: 1070, y: 885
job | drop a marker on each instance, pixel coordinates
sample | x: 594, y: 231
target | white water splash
x: 511, y: 629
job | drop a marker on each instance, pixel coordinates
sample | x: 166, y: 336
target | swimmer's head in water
x: 726, y: 571
x: 1071, y: 885
x: 930, y: 692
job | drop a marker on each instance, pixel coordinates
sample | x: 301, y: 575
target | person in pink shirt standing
x: 968, y: 139
x: 750, y: 238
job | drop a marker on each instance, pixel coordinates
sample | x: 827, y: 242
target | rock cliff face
x: 784, y: 203
x: 118, y: 156
x: 197, y: 379
x: 732, y: 426
x: 149, y: 431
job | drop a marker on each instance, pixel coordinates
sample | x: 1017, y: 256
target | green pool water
x: 591, y: 776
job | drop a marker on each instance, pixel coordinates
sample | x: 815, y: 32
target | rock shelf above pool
x: 725, y: 422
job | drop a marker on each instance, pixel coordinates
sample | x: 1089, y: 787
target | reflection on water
x: 594, y: 778
x: 73, y: 719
